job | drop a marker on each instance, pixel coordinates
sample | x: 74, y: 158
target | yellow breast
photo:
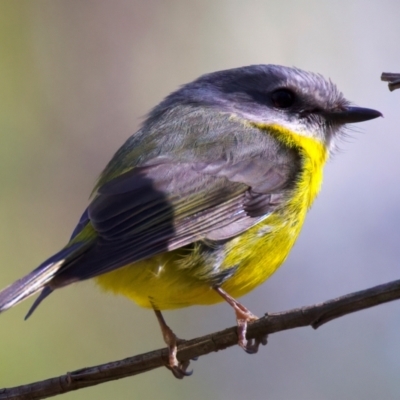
x: 161, y: 281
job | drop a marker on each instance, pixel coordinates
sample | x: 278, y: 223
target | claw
x: 254, y: 344
x: 180, y: 371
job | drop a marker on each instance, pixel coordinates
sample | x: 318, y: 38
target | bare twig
x: 392, y: 78
x: 315, y: 316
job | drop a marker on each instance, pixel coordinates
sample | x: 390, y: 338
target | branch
x: 392, y: 78
x: 314, y: 316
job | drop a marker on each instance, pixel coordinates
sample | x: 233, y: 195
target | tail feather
x: 43, y: 294
x: 28, y: 285
x: 37, y: 280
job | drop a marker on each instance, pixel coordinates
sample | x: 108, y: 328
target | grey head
x: 301, y: 101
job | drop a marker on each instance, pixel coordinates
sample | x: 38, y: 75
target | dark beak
x: 349, y: 115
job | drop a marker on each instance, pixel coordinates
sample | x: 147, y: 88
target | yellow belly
x: 163, y: 282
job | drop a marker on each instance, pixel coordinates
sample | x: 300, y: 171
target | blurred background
x: 76, y: 79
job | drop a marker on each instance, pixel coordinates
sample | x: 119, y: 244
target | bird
x: 205, y: 201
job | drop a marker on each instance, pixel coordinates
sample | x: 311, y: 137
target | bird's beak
x: 348, y: 115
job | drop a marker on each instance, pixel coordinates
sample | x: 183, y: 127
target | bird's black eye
x: 283, y: 98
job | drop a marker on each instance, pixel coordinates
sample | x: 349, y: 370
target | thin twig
x: 315, y: 316
x: 392, y: 78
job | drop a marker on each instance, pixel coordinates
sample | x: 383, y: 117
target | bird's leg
x: 243, y: 317
x: 172, y: 341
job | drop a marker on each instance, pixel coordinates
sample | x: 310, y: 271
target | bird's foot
x: 243, y: 318
x: 178, y: 369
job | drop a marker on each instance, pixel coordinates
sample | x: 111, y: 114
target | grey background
x: 76, y: 77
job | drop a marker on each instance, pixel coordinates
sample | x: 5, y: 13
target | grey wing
x: 162, y: 207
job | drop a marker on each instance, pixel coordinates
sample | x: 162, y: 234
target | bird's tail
x: 37, y: 279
